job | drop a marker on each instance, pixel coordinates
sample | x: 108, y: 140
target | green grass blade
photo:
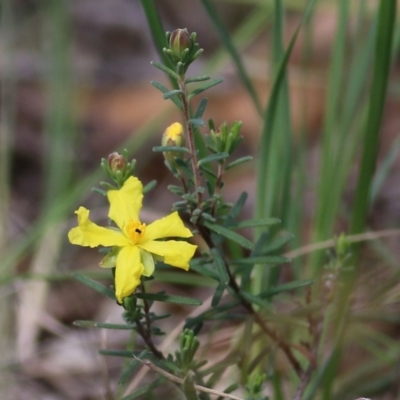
x: 264, y: 203
x: 60, y: 132
x: 231, y: 48
x: 156, y: 28
x: 327, y: 202
x: 386, y: 19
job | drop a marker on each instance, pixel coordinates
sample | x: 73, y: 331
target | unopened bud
x: 116, y: 162
x: 179, y: 41
x: 173, y: 136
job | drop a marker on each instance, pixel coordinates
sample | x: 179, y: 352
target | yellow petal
x: 177, y: 254
x: 128, y: 272
x: 126, y: 202
x: 87, y: 233
x: 169, y: 226
x: 148, y: 262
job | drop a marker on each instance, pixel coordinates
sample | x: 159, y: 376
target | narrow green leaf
x: 196, y: 122
x: 203, y: 270
x: 383, y: 47
x: 177, y: 101
x: 204, y: 87
x: 227, y: 233
x: 220, y: 266
x: 269, y: 260
x: 105, y: 291
x: 277, y: 243
x: 234, y: 213
x: 127, y: 372
x: 172, y: 93
x: 383, y: 170
x: 149, y: 186
x: 258, y: 222
x: 188, y: 387
x: 104, y: 325
x: 213, y: 157
x: 285, y: 288
x: 201, y: 108
x: 230, y: 47
x: 239, y: 161
x: 157, y: 33
x: 161, y: 149
x: 269, y: 121
x: 197, y: 79
x: 116, y: 353
x: 167, y: 298
x: 256, y: 300
x: 144, y: 390
x: 165, y: 69
x: 219, y: 291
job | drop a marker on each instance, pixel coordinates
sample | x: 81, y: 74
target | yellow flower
x: 135, y: 245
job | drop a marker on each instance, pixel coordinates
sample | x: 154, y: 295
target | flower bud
x: 173, y: 136
x: 117, y: 162
x: 179, y: 41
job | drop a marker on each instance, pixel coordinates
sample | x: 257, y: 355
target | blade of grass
x: 232, y: 50
x: 157, y: 33
x: 386, y: 19
x: 7, y: 116
x: 269, y: 130
x: 326, y: 207
x: 59, y: 129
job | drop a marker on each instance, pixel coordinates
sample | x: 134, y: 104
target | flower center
x: 135, y: 231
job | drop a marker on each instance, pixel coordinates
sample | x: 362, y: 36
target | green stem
x: 191, y: 144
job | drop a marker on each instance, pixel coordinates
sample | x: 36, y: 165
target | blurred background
x: 75, y: 86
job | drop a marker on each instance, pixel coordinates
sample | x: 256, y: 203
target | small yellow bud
x: 179, y: 41
x: 173, y: 136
